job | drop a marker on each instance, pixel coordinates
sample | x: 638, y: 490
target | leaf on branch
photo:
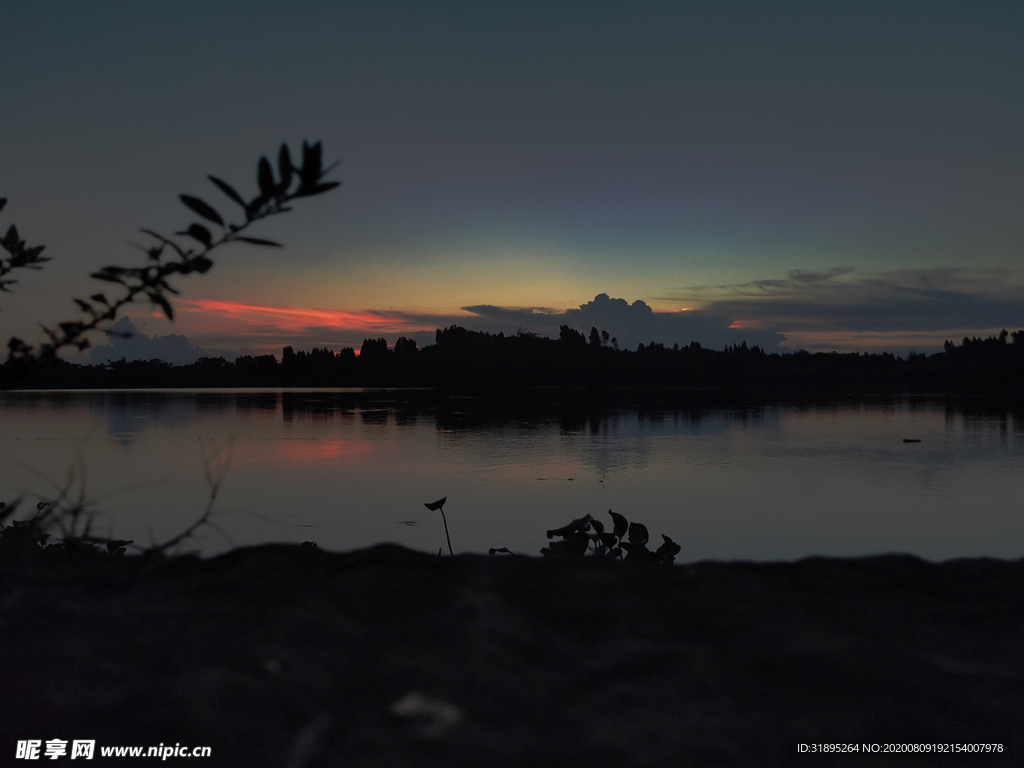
x: 310, y: 171
x: 32, y: 254
x: 202, y: 209
x: 150, y: 280
x: 164, y: 240
x: 265, y: 177
x: 200, y: 233
x: 228, y: 190
x: 258, y: 241
x: 321, y: 188
x: 110, y: 274
x: 311, y: 160
x: 164, y: 304
x: 18, y: 349
x: 253, y: 207
x: 284, y: 167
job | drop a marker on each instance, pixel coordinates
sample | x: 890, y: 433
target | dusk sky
x: 822, y: 175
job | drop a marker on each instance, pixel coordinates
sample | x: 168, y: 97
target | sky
x: 820, y: 175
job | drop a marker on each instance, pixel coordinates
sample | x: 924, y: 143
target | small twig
x: 214, y: 478
x: 151, y: 280
x: 188, y: 532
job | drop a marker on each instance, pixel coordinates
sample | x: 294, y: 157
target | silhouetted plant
x: 151, y: 281
x: 439, y: 505
x: 67, y: 514
x: 70, y: 518
x: 19, y: 256
x: 20, y: 535
x: 33, y: 534
x: 67, y: 522
x: 588, y: 534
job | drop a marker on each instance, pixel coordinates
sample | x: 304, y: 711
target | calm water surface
x: 349, y: 469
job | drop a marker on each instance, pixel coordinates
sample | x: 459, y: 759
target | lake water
x: 349, y: 469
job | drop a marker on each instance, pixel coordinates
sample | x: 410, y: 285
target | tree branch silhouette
x: 19, y: 256
x: 150, y: 281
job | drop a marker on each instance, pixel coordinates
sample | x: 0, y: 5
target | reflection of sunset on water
x: 303, y: 451
x: 347, y: 468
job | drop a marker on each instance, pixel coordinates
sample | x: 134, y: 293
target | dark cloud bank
x: 632, y: 324
x: 174, y: 348
x: 939, y: 300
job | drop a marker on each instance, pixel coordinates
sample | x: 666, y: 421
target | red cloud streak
x: 297, y: 319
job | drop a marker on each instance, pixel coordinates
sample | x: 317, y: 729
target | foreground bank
x: 289, y: 656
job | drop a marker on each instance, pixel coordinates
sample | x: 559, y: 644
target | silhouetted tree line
x: 459, y: 358
x: 464, y: 358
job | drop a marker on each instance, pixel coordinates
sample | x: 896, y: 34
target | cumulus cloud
x: 174, y: 348
x: 636, y: 323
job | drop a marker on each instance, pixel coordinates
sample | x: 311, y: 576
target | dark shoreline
x: 262, y: 650
x: 496, y: 403
x: 460, y: 359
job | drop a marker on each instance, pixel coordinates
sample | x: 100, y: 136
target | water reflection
x: 757, y: 481
x: 375, y: 418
